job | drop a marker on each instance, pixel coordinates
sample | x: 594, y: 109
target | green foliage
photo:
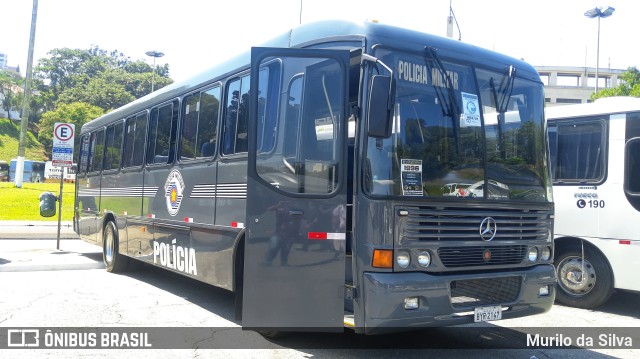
x: 9, y: 135
x: 107, y: 79
x: 10, y: 93
x: 77, y: 113
x: 629, y: 86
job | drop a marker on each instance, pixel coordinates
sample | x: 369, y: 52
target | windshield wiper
x: 502, y: 102
x: 448, y: 103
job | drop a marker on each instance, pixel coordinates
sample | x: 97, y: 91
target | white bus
x: 595, y: 164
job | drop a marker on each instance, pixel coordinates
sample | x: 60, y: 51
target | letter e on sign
x: 62, y: 152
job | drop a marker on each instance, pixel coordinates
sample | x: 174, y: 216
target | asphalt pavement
x: 34, y: 246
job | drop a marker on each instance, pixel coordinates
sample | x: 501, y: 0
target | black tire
x: 596, y: 287
x: 113, y: 260
x: 274, y: 334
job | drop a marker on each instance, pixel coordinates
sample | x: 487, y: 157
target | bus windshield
x: 445, y: 126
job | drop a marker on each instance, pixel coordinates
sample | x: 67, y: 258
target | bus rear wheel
x: 582, y: 283
x: 113, y: 260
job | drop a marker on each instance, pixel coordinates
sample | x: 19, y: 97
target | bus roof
x: 606, y: 105
x: 325, y: 31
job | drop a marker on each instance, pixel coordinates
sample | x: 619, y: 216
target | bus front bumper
x: 445, y: 300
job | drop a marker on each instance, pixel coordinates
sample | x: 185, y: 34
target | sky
x: 195, y: 34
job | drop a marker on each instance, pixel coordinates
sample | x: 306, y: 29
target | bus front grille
x: 486, y: 291
x: 462, y: 223
x: 455, y: 257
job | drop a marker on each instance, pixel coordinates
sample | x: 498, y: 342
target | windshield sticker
x: 411, y: 177
x: 470, y: 116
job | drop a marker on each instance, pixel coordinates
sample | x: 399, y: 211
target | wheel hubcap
x: 108, y: 246
x: 576, y: 277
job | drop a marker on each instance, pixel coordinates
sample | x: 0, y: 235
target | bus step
x: 349, y: 321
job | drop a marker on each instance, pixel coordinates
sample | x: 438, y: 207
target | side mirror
x: 380, y: 106
x: 48, y: 204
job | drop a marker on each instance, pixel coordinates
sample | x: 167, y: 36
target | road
x: 47, y: 288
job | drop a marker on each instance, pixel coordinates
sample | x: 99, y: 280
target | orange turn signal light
x: 382, y: 258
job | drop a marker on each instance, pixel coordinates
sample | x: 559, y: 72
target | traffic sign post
x: 62, y: 156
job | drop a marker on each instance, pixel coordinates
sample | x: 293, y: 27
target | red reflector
x: 317, y: 235
x: 624, y: 242
x: 234, y: 224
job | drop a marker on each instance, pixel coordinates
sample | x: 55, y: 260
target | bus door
x: 294, y: 263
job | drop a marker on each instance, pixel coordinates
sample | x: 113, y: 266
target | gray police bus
x: 307, y: 177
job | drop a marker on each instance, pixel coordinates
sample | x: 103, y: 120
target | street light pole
x: 155, y: 54
x: 599, y: 13
x: 24, y: 118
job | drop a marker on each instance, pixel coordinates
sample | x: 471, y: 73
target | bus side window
x: 162, y: 135
x: 234, y: 131
x: 199, y: 124
x: 190, y: 113
x: 208, y: 123
x: 580, y: 151
x: 83, y: 155
x: 97, y: 151
x: 113, y: 144
x: 134, y: 136
x: 632, y: 177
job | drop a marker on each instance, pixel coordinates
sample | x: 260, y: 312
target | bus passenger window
x: 208, y: 123
x: 113, y: 143
x: 190, y: 111
x: 97, y: 151
x: 236, y: 116
x: 161, y: 135
x: 632, y: 177
x: 84, y: 155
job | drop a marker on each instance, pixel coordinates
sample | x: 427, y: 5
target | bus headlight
x: 424, y: 259
x: 533, y: 254
x: 546, y: 253
x: 403, y: 260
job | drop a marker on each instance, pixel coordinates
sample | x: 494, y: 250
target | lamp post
x: 155, y: 54
x: 599, y: 13
x: 24, y: 117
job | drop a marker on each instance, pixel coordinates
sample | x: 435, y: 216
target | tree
x: 629, y: 86
x: 77, y: 113
x: 10, y: 91
x: 107, y: 79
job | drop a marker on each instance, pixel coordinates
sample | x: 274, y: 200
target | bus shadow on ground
x: 492, y: 339
x: 213, y: 299
x: 622, y: 303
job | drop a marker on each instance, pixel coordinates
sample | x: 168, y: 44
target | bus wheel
x: 113, y: 260
x: 582, y: 283
x: 273, y: 334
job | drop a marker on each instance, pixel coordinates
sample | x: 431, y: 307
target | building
x: 3, y: 60
x: 569, y: 85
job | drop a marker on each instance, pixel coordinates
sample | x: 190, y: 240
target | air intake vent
x: 490, y: 291
x: 450, y: 223
x: 454, y: 257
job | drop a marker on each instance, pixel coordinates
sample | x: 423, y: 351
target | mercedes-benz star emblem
x: 488, y: 229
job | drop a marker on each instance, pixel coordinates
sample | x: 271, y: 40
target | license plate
x: 485, y: 314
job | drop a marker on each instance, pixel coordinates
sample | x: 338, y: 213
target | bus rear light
x: 382, y: 258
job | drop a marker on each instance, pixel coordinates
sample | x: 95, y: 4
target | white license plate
x: 485, y: 314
